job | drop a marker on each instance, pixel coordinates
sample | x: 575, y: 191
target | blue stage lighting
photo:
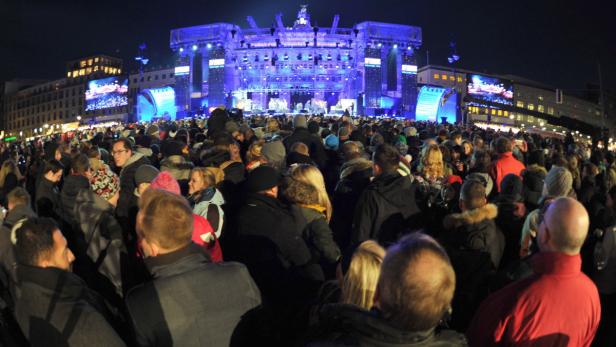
x: 395, y: 46
x: 194, y: 47
x: 181, y: 49
x: 209, y: 45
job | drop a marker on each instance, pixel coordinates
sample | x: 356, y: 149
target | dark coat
x: 269, y: 241
x: 354, y: 178
x: 72, y: 185
x: 8, y: 263
x: 56, y: 308
x: 315, y: 145
x: 128, y: 200
x: 47, y: 202
x: 10, y: 183
x: 191, y: 301
x: 476, y: 230
x: 386, y: 210
x: 532, y: 178
x: 348, y: 325
x: 318, y: 236
x: 102, y: 241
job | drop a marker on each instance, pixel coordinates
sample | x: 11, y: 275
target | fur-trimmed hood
x: 177, y: 166
x: 354, y: 165
x: 478, y: 215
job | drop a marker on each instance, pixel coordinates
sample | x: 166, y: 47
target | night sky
x: 555, y: 42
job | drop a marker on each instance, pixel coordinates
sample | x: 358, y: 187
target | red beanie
x: 164, y: 181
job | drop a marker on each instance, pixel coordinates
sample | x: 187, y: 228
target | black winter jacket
x: 48, y: 202
x: 191, y: 301
x: 315, y: 145
x: 386, y: 210
x: 56, y: 308
x: 72, y: 185
x: 348, y: 325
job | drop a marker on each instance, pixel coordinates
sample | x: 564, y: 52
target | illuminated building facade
x: 99, y: 65
x: 368, y: 69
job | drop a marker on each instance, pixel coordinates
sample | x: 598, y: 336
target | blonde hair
x: 208, y: 177
x: 8, y: 167
x: 272, y: 125
x: 432, y: 161
x: 311, y: 175
x: 254, y: 151
x: 360, y: 281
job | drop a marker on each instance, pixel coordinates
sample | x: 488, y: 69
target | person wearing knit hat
x: 164, y: 181
x: 343, y: 134
x: 275, y: 153
x: 299, y: 121
x: 263, y: 178
x: 106, y: 184
x: 144, y: 175
x: 558, y: 182
x: 410, y: 131
x: 332, y: 142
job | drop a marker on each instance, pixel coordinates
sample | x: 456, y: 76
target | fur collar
x: 354, y: 165
x: 452, y: 221
x: 536, y: 168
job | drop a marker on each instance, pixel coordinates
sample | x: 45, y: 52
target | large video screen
x: 106, y: 93
x: 490, y: 89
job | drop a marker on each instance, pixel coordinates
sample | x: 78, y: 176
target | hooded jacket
x: 7, y: 255
x: 354, y: 178
x: 48, y: 202
x: 386, y: 210
x: 180, y: 169
x: 348, y: 325
x: 71, y: 187
x: 128, y: 201
x: 209, y: 200
x: 102, y: 234
x: 476, y: 230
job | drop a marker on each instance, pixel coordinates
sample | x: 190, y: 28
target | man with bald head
x: 556, y: 306
x: 413, y: 295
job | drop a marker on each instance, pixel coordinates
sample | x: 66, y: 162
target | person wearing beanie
x: 95, y: 218
x: 203, y: 233
x: 302, y: 134
x: 143, y: 177
x: 267, y: 239
x: 275, y: 153
x: 558, y: 183
x: 332, y: 142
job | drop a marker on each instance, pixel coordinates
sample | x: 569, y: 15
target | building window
x: 540, y: 97
x: 459, y: 79
x: 540, y: 108
x: 451, y: 78
x: 519, y: 104
x: 164, y: 76
x: 531, y: 107
x: 156, y: 77
x: 444, y: 77
x: 436, y: 76
x: 550, y: 110
x: 134, y: 80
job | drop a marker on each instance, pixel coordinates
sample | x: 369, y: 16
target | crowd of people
x: 309, y: 231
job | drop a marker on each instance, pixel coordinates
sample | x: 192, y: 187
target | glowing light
x: 395, y: 46
x: 194, y: 47
x: 373, y: 62
x: 409, y: 69
x: 209, y: 45
x: 182, y: 70
x: 181, y: 49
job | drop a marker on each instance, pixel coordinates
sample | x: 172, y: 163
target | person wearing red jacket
x: 506, y: 162
x: 556, y: 306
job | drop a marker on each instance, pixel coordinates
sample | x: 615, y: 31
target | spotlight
x: 181, y: 49
x: 395, y: 46
x: 209, y: 45
x: 380, y: 45
x: 194, y: 47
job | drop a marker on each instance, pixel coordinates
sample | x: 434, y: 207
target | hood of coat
x: 470, y: 217
x: 73, y: 184
x: 393, y: 188
x: 145, y: 151
x: 18, y: 213
x: 88, y: 208
x: 177, y: 166
x: 355, y: 165
x: 133, y: 159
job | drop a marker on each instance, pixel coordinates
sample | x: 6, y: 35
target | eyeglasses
x: 114, y: 153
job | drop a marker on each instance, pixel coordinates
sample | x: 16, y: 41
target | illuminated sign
x: 372, y: 62
x: 182, y: 70
x: 9, y: 139
x: 216, y: 63
x: 409, y: 69
x: 433, y: 103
